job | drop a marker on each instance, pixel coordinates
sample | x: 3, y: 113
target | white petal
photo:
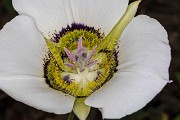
x: 144, y: 45
x: 22, y: 48
x: 34, y: 92
x: 102, y: 14
x: 126, y: 93
x: 144, y: 57
x: 49, y: 15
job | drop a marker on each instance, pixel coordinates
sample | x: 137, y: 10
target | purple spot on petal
x: 76, y: 57
x: 98, y: 73
x: 84, y: 55
x: 67, y: 79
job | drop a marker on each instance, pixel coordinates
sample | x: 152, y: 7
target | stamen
x: 70, y: 55
x: 91, y: 54
x: 92, y: 63
x: 70, y: 65
x: 80, y: 46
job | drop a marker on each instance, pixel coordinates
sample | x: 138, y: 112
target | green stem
x: 71, y: 116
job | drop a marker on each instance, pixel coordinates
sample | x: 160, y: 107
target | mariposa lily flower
x: 64, y: 55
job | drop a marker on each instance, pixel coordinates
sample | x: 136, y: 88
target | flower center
x: 80, y: 61
x: 75, y: 65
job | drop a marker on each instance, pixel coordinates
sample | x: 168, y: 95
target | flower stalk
x: 71, y: 116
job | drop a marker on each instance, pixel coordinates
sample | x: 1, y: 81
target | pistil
x: 80, y: 60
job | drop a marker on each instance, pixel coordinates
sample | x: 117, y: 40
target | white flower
x: 56, y: 51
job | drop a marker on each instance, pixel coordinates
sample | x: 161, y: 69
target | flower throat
x: 76, y: 65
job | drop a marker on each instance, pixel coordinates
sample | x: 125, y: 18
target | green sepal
x: 56, y: 53
x: 112, y: 38
x: 81, y: 109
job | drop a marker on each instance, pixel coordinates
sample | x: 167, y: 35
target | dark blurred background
x: 165, y: 106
